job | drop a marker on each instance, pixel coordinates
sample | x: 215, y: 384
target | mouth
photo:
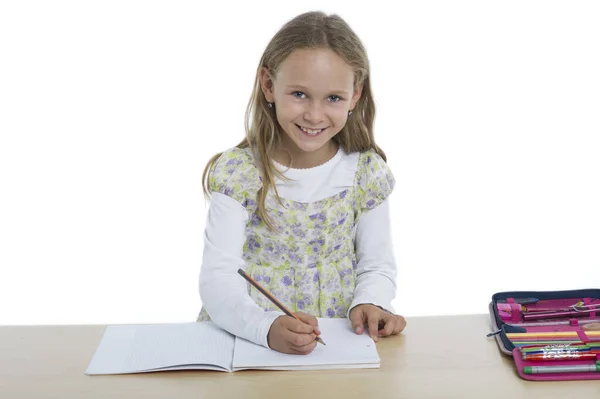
x: 310, y: 132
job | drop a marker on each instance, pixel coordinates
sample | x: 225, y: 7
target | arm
x: 375, y: 276
x: 223, y: 292
x: 376, y: 270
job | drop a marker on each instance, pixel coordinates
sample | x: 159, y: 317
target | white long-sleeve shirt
x: 224, y: 293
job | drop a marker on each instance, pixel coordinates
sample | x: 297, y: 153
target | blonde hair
x: 263, y: 133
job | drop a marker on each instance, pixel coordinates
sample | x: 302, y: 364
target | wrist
x: 369, y: 304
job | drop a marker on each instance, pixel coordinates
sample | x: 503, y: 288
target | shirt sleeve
x: 376, y: 266
x: 233, y: 181
x: 375, y: 181
x: 224, y: 293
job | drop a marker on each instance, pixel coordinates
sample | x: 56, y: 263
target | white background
x: 489, y: 113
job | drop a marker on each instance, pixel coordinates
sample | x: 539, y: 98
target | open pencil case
x: 547, y: 333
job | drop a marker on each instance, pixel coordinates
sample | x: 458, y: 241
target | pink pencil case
x: 545, y: 333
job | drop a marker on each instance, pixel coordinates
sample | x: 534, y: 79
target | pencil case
x: 545, y: 333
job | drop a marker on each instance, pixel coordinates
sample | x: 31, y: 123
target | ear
x: 266, y: 84
x: 356, y: 95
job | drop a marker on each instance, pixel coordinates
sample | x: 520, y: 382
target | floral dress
x: 308, y: 262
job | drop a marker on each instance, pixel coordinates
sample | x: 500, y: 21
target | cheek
x: 339, y: 116
x: 289, y: 109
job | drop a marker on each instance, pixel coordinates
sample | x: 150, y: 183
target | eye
x: 298, y: 94
x: 334, y: 98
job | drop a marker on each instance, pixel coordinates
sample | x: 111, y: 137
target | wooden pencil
x: 272, y: 299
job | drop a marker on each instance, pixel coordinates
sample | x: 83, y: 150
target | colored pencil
x: 272, y: 299
x: 529, y: 343
x: 547, y: 339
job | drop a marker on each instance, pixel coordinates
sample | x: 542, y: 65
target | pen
x: 550, y: 334
x: 561, y: 347
x: 542, y: 357
x: 272, y: 299
x: 551, y: 315
x: 521, y: 301
x: 552, y: 323
x: 581, y: 368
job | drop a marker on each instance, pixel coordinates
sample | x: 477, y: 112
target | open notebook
x: 126, y: 349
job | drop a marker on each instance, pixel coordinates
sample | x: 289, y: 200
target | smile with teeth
x: 311, y: 132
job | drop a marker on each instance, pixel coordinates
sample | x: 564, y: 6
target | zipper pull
x: 494, y: 333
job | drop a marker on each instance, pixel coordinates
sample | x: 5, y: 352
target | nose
x: 314, y: 113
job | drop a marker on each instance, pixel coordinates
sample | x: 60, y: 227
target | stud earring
x: 270, y: 105
x: 349, y: 112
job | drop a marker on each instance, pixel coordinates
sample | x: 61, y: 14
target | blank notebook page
x: 344, y: 349
x: 142, y: 348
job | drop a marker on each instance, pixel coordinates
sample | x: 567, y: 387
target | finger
x: 308, y: 319
x: 400, y: 324
x: 298, y: 326
x: 304, y: 350
x: 296, y: 340
x: 357, y: 319
x: 389, y: 326
x: 373, y: 322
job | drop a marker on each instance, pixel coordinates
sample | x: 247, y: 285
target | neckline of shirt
x: 326, y: 165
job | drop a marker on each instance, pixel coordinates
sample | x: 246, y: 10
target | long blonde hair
x: 263, y: 133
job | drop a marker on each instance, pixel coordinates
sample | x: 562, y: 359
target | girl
x: 301, y: 204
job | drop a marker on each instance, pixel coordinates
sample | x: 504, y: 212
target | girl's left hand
x: 380, y: 323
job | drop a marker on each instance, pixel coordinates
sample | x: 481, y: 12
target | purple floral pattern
x: 308, y: 263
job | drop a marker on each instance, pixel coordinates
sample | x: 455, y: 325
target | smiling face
x: 312, y: 92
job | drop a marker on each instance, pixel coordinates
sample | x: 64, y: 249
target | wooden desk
x: 436, y: 357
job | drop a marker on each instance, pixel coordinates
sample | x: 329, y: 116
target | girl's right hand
x: 288, y: 335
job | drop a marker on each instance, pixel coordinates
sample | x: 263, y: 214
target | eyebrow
x: 338, y: 91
